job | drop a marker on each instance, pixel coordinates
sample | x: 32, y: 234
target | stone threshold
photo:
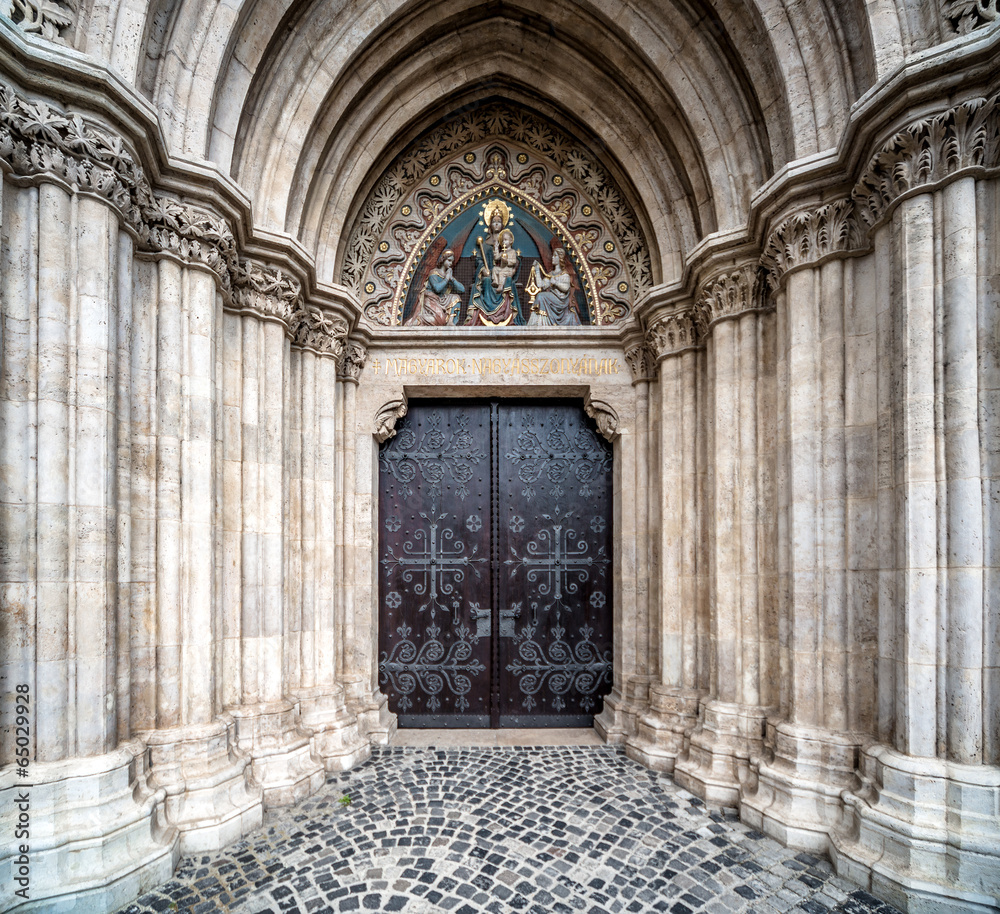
x: 553, y: 736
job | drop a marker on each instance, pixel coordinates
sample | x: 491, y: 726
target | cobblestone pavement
x: 533, y: 830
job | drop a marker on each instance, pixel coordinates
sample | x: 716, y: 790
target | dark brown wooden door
x: 495, y: 565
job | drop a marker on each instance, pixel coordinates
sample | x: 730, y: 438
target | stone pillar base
x: 376, y: 723
x: 98, y: 834
x: 661, y: 733
x: 794, y: 790
x: 614, y: 723
x: 211, y: 797
x: 281, y: 752
x: 923, y: 834
x: 337, y: 741
x: 717, y: 759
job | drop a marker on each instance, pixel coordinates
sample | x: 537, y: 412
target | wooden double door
x: 495, y: 565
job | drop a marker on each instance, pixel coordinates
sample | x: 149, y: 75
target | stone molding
x: 46, y: 18
x: 41, y: 140
x: 387, y: 417
x: 352, y: 361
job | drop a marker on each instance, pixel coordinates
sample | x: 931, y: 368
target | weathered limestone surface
x: 800, y: 202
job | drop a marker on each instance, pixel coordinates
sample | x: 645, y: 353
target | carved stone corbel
x: 604, y: 415
x: 387, y: 417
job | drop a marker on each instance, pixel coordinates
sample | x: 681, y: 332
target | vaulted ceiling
x: 692, y: 104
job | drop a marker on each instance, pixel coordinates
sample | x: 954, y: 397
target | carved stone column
x: 674, y: 696
x: 922, y: 828
x: 645, y: 487
x: 816, y: 742
x: 313, y: 641
x: 357, y: 625
x: 266, y: 724
x: 730, y: 723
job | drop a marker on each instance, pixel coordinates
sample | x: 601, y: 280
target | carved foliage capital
x: 727, y: 295
x: 808, y: 237
x: 927, y: 151
x: 673, y: 333
x: 964, y: 16
x: 641, y: 361
x: 40, y: 139
x: 352, y: 362
x: 312, y: 329
x: 52, y: 19
x: 265, y: 290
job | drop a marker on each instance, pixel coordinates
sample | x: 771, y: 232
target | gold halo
x: 491, y: 207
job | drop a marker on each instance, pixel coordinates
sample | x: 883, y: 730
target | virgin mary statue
x: 494, y: 301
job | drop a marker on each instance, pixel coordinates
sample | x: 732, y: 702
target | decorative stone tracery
x: 512, y: 151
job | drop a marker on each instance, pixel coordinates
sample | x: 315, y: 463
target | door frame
x: 369, y: 410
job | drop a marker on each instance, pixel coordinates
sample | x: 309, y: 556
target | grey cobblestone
x: 504, y: 831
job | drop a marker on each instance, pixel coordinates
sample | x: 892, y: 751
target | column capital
x: 728, y: 295
x: 352, y: 362
x: 806, y: 238
x: 319, y: 332
x: 673, y: 334
x: 929, y: 150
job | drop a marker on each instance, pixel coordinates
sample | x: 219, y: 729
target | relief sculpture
x: 498, y: 235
